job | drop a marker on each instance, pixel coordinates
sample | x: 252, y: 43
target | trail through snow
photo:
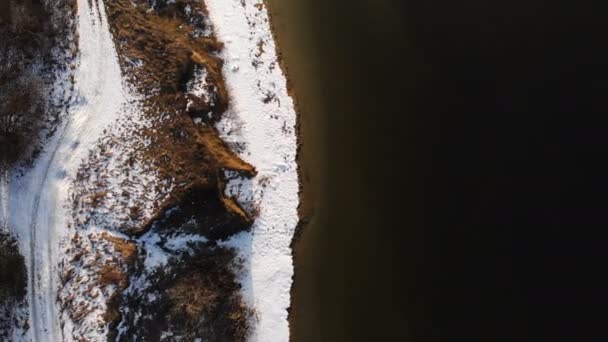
x: 36, y: 201
x: 4, y: 201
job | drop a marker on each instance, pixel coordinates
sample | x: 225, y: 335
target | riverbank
x: 295, y: 51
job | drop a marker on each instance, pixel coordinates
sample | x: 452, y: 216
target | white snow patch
x: 182, y: 242
x: 262, y: 118
x: 160, y: 250
x: 198, y: 84
x: 155, y: 255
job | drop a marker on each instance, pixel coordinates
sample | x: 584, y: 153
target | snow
x: 199, y: 87
x: 35, y: 202
x: 262, y: 116
x: 37, y: 198
x: 198, y: 84
x: 155, y: 256
x: 160, y: 249
x: 181, y: 242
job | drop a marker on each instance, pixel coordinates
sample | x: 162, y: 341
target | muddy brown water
x: 451, y: 170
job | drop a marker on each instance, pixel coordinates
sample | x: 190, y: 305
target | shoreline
x: 340, y: 199
x: 302, y: 214
x: 304, y: 202
x: 309, y: 161
x: 262, y: 116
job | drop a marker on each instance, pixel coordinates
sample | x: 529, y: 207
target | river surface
x: 451, y: 170
x: 343, y: 261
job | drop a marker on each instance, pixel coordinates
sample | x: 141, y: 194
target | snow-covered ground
x: 262, y: 116
x: 37, y: 199
x: 35, y: 202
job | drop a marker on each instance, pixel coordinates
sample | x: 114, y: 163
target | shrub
x: 111, y: 274
x: 12, y: 270
x: 28, y: 32
x: 197, y: 296
x: 12, y: 287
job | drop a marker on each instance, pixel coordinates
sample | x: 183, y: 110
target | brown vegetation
x: 207, y: 299
x: 27, y: 35
x: 202, y: 212
x: 126, y: 248
x: 161, y: 49
x: 12, y: 284
x: 197, y: 296
x: 12, y: 269
x: 110, y: 274
x: 21, y: 42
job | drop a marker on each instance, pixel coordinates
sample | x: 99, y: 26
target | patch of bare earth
x: 148, y: 204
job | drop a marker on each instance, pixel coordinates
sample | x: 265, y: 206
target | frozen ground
x: 261, y: 116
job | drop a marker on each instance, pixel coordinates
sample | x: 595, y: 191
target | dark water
x: 453, y: 170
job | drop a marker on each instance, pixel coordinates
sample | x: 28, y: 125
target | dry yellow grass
x: 126, y: 248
